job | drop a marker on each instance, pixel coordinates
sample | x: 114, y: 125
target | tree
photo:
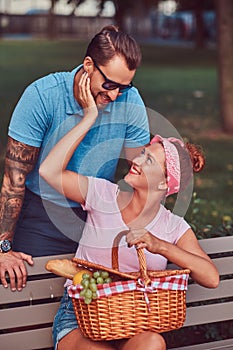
x: 225, y: 61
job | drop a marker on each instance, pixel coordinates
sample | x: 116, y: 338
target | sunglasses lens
x: 112, y: 86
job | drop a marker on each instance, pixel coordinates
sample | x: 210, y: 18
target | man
x: 36, y: 220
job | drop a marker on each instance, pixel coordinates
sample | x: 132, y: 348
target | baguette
x: 62, y: 267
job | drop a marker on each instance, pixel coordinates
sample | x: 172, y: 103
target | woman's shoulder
x: 102, y: 187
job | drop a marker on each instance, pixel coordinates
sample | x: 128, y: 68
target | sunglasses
x: 112, y: 85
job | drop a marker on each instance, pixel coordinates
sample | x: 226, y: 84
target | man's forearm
x: 10, y: 207
x: 20, y: 160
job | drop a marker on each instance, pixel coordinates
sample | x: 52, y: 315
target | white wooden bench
x: 26, y: 317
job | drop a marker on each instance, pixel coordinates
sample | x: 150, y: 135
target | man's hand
x: 13, y: 264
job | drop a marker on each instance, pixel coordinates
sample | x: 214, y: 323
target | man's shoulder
x: 52, y: 80
x: 57, y: 79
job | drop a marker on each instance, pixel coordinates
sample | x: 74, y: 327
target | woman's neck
x: 138, y: 209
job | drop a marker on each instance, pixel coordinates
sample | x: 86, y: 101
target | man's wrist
x: 5, y: 246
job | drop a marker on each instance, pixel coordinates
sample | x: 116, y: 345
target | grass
x: 181, y: 84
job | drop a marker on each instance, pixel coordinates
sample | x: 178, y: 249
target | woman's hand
x: 141, y: 238
x: 86, y: 98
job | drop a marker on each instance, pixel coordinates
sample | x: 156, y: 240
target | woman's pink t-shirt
x: 104, y: 222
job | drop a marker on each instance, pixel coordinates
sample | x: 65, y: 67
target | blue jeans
x: 45, y: 228
x: 65, y: 320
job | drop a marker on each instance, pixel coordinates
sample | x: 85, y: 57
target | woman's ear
x: 162, y: 186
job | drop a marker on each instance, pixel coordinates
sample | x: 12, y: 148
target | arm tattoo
x: 20, y: 160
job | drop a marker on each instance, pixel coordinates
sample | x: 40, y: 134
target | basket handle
x: 140, y: 254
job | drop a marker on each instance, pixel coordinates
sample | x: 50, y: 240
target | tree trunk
x: 200, y: 35
x: 225, y: 61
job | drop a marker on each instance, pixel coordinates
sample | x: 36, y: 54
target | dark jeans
x: 45, y: 228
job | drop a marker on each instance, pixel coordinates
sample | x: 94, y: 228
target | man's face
x: 115, y: 71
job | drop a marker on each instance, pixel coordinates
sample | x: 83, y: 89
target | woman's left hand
x: 141, y: 238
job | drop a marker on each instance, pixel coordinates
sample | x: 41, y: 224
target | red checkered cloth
x: 177, y: 282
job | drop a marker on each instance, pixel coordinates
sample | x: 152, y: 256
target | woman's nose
x: 139, y: 160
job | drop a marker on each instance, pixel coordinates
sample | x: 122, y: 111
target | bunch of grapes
x: 89, y: 283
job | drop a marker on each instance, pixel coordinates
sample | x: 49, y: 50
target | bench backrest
x: 214, y: 311
x: 26, y: 317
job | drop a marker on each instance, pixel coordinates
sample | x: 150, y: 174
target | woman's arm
x: 187, y: 253
x: 53, y: 169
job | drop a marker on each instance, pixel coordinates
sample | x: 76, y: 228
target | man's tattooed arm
x: 20, y: 160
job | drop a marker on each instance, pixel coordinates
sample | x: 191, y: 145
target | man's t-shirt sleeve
x: 138, y: 126
x: 29, y: 120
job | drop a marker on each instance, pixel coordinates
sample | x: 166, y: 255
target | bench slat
x: 28, y: 315
x: 198, y: 293
x: 224, y: 265
x: 217, y: 244
x: 226, y: 344
x: 209, y: 313
x: 27, y: 340
x: 39, y: 263
x: 39, y: 289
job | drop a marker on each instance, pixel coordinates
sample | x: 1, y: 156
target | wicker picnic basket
x: 124, y: 314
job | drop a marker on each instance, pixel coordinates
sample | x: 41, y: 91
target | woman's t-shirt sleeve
x: 101, y: 195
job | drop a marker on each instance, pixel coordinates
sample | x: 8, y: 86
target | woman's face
x: 148, y: 169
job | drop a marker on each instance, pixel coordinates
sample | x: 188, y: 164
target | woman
x: 157, y: 172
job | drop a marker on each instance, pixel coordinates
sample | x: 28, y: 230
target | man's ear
x: 88, y: 65
x: 162, y: 186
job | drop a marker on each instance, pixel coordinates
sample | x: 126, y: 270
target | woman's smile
x: 134, y: 170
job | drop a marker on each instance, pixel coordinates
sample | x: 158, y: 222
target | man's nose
x: 113, y: 94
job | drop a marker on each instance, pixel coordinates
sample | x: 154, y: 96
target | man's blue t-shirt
x: 47, y: 110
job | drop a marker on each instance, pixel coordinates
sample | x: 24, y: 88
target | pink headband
x: 172, y: 162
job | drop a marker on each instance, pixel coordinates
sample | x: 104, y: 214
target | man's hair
x: 109, y: 42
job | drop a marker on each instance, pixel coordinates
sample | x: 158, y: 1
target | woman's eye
x: 149, y: 160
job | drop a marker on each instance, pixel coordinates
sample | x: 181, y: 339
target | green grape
x: 96, y: 274
x: 94, y: 295
x: 88, y: 293
x: 92, y: 280
x: 108, y: 280
x: 82, y: 293
x: 93, y: 287
x: 99, y: 280
x: 87, y: 300
x: 85, y: 276
x: 104, y: 274
x: 85, y: 283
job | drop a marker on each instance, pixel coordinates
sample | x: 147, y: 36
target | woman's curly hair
x: 192, y: 159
